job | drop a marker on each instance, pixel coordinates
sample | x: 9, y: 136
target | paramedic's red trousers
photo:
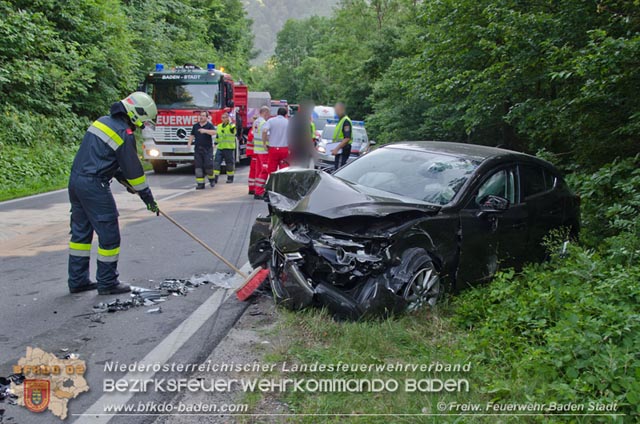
x: 278, y: 158
x: 253, y: 173
x: 262, y: 172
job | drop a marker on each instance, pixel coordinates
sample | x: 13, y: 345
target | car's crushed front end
x: 330, y: 244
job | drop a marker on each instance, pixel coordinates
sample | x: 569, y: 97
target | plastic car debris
x: 157, y: 310
x: 6, y: 394
x: 69, y: 356
x: 174, y: 286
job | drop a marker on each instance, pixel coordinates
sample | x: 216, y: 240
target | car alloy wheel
x: 424, y: 288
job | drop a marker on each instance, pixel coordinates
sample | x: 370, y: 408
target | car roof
x: 464, y: 150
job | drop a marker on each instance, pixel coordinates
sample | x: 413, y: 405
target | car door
x: 492, y: 240
x: 545, y: 204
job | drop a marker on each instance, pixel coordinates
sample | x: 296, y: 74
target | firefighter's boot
x: 119, y: 288
x: 229, y: 179
x: 200, y: 186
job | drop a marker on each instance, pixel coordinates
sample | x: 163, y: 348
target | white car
x: 360, y: 145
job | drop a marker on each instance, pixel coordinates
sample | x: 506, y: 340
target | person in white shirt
x: 275, y: 136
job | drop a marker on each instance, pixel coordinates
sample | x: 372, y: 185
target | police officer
x: 203, y: 132
x: 342, y: 135
x: 108, y: 151
x: 226, y: 141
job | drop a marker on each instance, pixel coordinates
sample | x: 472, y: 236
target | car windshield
x: 425, y: 176
x: 327, y: 132
x: 173, y: 95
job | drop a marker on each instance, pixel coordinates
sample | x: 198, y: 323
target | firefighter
x: 342, y: 135
x: 253, y: 168
x: 108, y: 151
x: 226, y: 141
x: 203, y: 132
x: 261, y: 152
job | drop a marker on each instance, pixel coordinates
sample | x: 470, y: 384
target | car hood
x: 315, y: 192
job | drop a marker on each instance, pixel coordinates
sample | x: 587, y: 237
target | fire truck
x: 180, y: 93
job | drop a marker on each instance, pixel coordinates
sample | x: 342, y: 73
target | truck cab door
x: 491, y: 237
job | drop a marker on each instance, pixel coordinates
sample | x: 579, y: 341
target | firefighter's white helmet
x: 140, y: 108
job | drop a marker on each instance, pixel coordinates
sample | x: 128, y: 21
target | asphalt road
x: 37, y: 310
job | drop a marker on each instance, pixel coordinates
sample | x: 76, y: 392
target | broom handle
x: 203, y: 244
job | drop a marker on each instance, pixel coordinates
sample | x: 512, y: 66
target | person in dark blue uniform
x: 203, y: 132
x: 108, y: 151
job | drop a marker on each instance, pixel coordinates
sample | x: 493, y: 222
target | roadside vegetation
x: 564, y: 331
x: 62, y: 64
x: 558, y: 79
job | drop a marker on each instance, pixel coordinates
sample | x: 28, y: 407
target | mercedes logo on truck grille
x: 181, y: 133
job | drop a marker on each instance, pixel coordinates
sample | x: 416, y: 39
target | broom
x: 251, y: 281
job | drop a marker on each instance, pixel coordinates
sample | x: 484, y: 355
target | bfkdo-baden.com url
x: 156, y: 408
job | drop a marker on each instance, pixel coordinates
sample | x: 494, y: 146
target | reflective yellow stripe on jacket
x: 106, y: 134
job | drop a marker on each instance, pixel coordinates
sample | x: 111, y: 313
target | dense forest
x: 64, y: 62
x: 269, y: 16
x: 555, y: 75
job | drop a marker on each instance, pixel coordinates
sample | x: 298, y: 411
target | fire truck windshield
x: 184, y: 95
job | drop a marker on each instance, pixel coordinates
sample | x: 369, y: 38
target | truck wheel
x: 160, y: 166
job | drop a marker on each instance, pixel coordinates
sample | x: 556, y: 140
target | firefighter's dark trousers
x: 203, y: 163
x: 93, y: 209
x: 229, y: 160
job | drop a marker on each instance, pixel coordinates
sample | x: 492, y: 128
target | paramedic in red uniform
x: 253, y: 167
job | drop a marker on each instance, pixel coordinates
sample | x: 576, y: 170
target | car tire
x: 418, y: 278
x: 160, y: 166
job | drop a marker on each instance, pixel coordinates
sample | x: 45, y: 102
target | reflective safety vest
x: 313, y: 129
x: 338, y: 135
x: 226, y: 136
x: 259, y: 147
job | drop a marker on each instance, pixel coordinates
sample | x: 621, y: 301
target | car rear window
x: 535, y: 179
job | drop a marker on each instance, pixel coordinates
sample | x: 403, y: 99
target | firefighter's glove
x: 147, y: 198
x: 153, y: 207
x: 122, y: 180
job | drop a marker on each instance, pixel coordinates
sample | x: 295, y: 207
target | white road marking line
x: 160, y: 354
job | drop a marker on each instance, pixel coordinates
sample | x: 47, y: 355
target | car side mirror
x: 491, y: 204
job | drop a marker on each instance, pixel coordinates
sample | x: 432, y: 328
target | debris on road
x: 141, y: 296
x: 219, y: 279
x: 6, y: 394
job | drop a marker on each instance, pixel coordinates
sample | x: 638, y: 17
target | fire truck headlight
x: 154, y: 153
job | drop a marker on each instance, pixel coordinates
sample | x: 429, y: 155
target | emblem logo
x: 36, y: 395
x: 181, y: 133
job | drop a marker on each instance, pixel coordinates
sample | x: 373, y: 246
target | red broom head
x: 252, y: 284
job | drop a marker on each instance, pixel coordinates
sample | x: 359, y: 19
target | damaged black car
x: 397, y: 228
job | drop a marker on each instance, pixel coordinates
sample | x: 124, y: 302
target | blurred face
x: 225, y: 118
x: 339, y: 109
x: 203, y: 118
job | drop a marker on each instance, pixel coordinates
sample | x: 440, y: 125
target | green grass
x: 26, y: 171
x: 567, y: 331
